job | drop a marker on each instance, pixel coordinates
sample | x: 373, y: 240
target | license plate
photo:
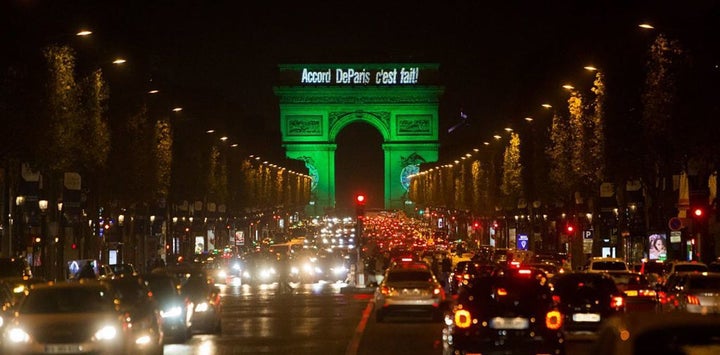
x: 509, y: 323
x: 62, y: 348
x: 586, y: 317
x: 631, y: 293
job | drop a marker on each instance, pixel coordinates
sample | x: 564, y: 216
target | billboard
x: 657, y: 246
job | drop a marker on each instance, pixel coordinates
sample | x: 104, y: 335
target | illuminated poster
x: 199, y: 244
x: 211, y: 239
x: 658, y: 247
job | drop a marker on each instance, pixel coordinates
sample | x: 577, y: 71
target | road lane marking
x: 354, y: 345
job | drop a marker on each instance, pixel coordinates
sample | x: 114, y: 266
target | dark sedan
x: 509, y: 312
x: 175, y: 309
x: 205, y: 297
x: 586, y: 299
x: 140, y: 312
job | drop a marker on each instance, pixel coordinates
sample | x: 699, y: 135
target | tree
x: 512, y: 171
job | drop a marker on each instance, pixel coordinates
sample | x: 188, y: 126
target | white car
x: 607, y: 265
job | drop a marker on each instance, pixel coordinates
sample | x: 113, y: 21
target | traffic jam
x: 485, y: 299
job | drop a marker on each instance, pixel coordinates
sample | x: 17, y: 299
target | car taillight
x: 524, y: 272
x: 385, y: 290
x: 553, y: 320
x: 617, y: 302
x: 463, y: 318
x: 692, y: 299
x: 501, y: 292
x: 556, y: 299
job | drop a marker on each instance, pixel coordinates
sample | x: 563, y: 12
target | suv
x: 607, y: 265
x: 509, y: 311
x: 685, y: 266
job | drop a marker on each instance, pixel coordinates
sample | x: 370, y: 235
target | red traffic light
x: 74, y: 246
x: 360, y: 199
x: 698, y: 212
x: 570, y: 229
x: 476, y: 225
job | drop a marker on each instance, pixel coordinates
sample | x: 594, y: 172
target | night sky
x: 218, y: 59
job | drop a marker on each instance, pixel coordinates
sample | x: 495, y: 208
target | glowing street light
x: 548, y: 106
x: 83, y: 33
x: 119, y: 61
x: 590, y: 68
x: 646, y: 26
x: 568, y: 87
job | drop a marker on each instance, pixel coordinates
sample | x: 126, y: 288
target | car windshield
x: 704, y: 283
x: 406, y: 276
x: 67, y: 300
x: 129, y: 290
x: 162, y: 287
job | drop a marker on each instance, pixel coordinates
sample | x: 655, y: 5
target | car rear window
x: 704, y: 283
x: 691, y: 268
x: 405, y: 276
x: 608, y: 265
x: 568, y: 285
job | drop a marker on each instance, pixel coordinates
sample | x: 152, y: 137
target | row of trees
x: 133, y: 153
x: 641, y: 122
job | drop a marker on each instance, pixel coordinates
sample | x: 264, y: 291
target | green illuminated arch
x: 317, y: 101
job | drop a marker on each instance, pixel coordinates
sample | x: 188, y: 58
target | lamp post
x: 60, y: 243
x: 42, y: 253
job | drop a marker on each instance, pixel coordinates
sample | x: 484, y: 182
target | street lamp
x: 42, y: 240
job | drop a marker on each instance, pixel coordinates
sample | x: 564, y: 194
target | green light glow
x: 400, y: 100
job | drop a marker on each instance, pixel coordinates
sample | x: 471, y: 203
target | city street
x: 316, y: 319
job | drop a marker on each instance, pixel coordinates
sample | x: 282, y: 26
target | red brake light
x: 406, y: 259
x: 463, y: 318
x: 524, y: 272
x: 556, y: 299
x: 553, y: 320
x: 692, y: 299
x: 617, y: 302
x: 515, y: 264
x: 501, y: 292
x: 384, y: 290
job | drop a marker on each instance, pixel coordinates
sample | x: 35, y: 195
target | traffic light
x: 360, y: 205
x: 476, y: 225
x: 360, y: 200
x: 570, y: 229
x: 698, y: 212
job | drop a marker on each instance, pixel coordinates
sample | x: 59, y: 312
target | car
x: 685, y: 266
x: 409, y: 290
x: 460, y: 274
x: 586, y: 299
x: 176, y: 310
x: 658, y: 333
x: 123, y: 269
x: 508, y: 312
x: 654, y: 271
x: 693, y: 292
x: 260, y: 268
x: 607, y: 265
x: 205, y: 296
x: 140, y: 311
x: 67, y: 317
x: 639, y: 294
x: 7, y: 303
x: 15, y: 268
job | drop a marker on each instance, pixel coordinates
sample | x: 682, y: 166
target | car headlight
x: 236, y: 267
x: 294, y: 270
x: 202, y: 307
x: 107, y: 332
x: 2, y: 321
x: 339, y: 270
x: 143, y: 339
x: 246, y: 274
x: 222, y: 274
x: 17, y: 335
x: 172, y: 312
